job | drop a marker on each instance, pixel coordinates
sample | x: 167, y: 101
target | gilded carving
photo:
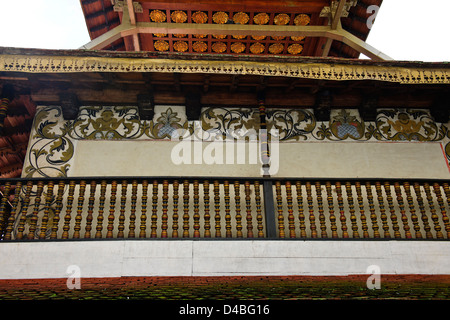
x: 308, y: 70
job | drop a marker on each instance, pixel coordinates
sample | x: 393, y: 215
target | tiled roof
x: 399, y: 287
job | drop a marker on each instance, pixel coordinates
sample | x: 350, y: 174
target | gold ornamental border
x: 319, y: 71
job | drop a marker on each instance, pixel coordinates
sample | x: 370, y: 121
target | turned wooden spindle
x: 34, y: 217
x: 279, y: 198
x: 175, y: 216
x: 5, y: 195
x: 373, y: 216
x: 401, y: 204
x: 342, y: 217
x: 383, y: 215
x: 23, y: 216
x: 48, y: 201
x: 144, y: 199
x: 67, y: 216
x: 207, y: 215
x: 290, y: 205
x: 238, y: 216
x: 259, y: 216
x: 437, y: 192
x: 165, y: 208
x: 248, y: 207
x: 132, y: 226
x: 154, y: 215
x: 394, y: 220
x: 424, y: 217
x: 434, y: 216
x: 186, y: 196
x: 101, y: 208
x: 334, y: 233
x: 226, y: 186
x: 90, y: 212
x: 323, y: 226
x: 445, y: 218
x: 412, y: 210
x: 196, y: 216
x: 351, y: 206
x: 78, y: 216
x: 12, y: 216
x: 58, y: 208
x: 312, y: 218
x: 301, y: 214
x: 112, y: 210
x: 123, y: 202
x: 362, y: 215
x: 217, y: 209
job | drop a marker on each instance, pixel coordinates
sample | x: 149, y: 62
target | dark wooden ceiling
x: 101, y: 17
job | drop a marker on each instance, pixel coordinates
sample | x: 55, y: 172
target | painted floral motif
x: 51, y: 148
x: 223, y: 121
x: 406, y: 125
x: 110, y: 123
x: 291, y: 124
x: 347, y: 125
x: 167, y: 124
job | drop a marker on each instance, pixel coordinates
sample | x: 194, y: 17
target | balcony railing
x: 204, y: 207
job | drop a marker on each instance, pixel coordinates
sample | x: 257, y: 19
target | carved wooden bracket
x: 368, y: 109
x: 193, y: 104
x: 69, y: 105
x: 323, y: 105
x: 146, y: 106
x: 440, y: 109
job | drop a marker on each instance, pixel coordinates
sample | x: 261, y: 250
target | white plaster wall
x: 221, y: 258
x: 309, y: 159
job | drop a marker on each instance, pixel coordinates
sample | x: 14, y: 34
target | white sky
x: 404, y: 29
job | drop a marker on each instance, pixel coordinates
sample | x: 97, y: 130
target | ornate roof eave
x: 71, y: 61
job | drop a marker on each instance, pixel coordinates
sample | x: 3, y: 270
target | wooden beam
x: 130, y: 11
x: 357, y: 44
x: 335, y: 22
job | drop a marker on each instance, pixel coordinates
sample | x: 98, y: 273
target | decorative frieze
x: 53, y: 139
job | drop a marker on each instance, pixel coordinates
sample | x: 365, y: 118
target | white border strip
x: 27, y: 260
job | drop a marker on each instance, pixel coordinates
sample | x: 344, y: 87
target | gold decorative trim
x: 281, y: 19
x: 220, y: 17
x: 257, y: 48
x: 237, y: 47
x: 219, y: 47
x: 157, y: 16
x: 261, y: 18
x: 199, y: 46
x: 241, y: 18
x: 308, y: 68
x: 178, y: 16
x: 199, y: 17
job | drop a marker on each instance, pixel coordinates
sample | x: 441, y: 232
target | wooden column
x: 269, y: 203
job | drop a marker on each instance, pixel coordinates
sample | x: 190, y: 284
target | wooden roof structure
x: 245, y: 27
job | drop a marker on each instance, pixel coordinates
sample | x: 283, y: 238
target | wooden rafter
x: 334, y: 32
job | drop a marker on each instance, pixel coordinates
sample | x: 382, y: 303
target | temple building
x: 215, y: 139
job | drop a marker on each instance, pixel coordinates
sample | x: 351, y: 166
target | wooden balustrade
x: 199, y: 207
